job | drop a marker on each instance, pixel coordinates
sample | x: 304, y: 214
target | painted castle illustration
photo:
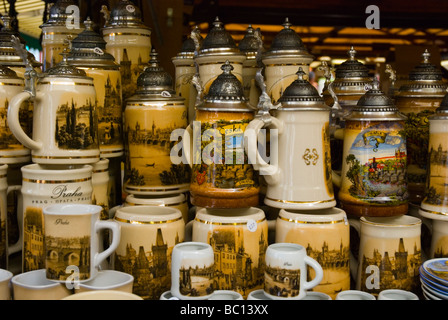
x: 110, y: 114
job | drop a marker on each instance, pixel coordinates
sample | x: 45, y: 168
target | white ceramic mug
x: 397, y: 294
x: 44, y: 185
x: 325, y: 234
x: 5, y: 284
x: 108, y: 280
x: 286, y: 271
x: 148, y: 235
x: 354, y: 295
x: 103, y: 295
x: 34, y: 285
x: 192, y: 271
x: 239, y: 238
x: 72, y: 244
x: 389, y: 253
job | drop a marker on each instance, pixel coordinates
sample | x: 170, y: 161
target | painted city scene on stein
x: 196, y: 281
x: 282, y: 282
x: 376, y: 165
x: 437, y: 174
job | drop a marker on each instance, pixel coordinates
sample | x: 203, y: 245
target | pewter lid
x: 89, y: 47
x: 302, y: 95
x: 125, y: 14
x: 154, y: 79
x: 218, y: 40
x: 250, y: 43
x: 352, y: 68
x: 64, y: 69
x: 58, y: 13
x: 226, y: 87
x: 425, y: 70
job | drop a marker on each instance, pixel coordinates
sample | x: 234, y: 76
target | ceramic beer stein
x: 88, y: 53
x: 128, y: 41
x: 286, y: 54
x: 214, y: 147
x: 73, y: 249
x: 11, y: 150
x: 252, y: 46
x: 239, y: 238
x: 59, y: 27
x: 192, y: 271
x: 389, y: 253
x: 286, y: 275
x: 418, y: 99
x: 148, y: 235
x: 217, y: 48
x: 326, y: 236
x: 43, y: 185
x: 185, y: 69
x: 302, y: 121
x: 435, y: 201
x: 151, y: 116
x: 100, y: 186
x: 65, y: 99
x: 374, y: 158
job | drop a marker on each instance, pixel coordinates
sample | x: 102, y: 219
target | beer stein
x: 252, y: 46
x: 43, y: 185
x: 373, y: 178
x: 151, y: 115
x: 55, y: 31
x: 88, y: 53
x: 214, y: 147
x: 217, y: 48
x: 302, y: 121
x: 326, y: 236
x: 281, y: 61
x: 435, y: 202
x: 418, y: 99
x: 65, y: 100
x: 148, y: 236
x: 239, y: 238
x: 389, y: 255
x: 100, y: 185
x: 128, y: 41
x: 11, y: 150
x: 185, y: 69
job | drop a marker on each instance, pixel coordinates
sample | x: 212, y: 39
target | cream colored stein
x: 73, y: 242
x: 390, y: 253
x: 59, y: 28
x: 100, y: 185
x: 286, y: 55
x: 234, y: 234
x: 44, y: 185
x: 217, y: 48
x: 302, y: 124
x: 129, y: 41
x: 148, y: 235
x: 326, y: 236
x: 64, y: 99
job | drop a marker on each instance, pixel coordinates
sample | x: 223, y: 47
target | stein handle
x: 115, y: 228
x: 113, y: 210
x: 189, y: 231
x: 16, y: 247
x: 356, y: 224
x: 335, y: 176
x: 319, y: 273
x: 271, y: 172
x: 14, y: 123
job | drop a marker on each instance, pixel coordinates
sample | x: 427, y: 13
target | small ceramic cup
x: 354, y: 295
x: 33, y: 285
x: 258, y: 295
x: 103, y: 295
x: 397, y: 294
x: 108, y: 280
x: 286, y: 271
x: 312, y: 295
x: 225, y: 295
x: 5, y: 284
x: 192, y: 271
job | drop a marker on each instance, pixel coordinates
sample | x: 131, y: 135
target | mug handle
x: 16, y: 247
x: 319, y: 273
x: 14, y: 123
x: 356, y: 224
x: 115, y: 228
x: 189, y: 231
x: 271, y: 172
